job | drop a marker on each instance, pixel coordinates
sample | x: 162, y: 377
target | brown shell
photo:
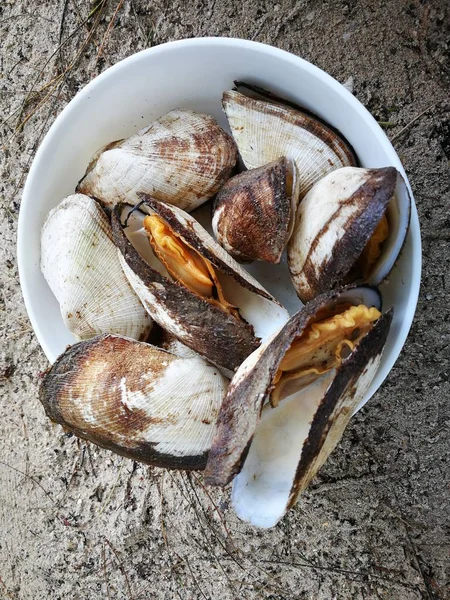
x: 241, y: 409
x: 119, y: 394
x: 325, y: 246
x: 252, y: 213
x: 182, y: 158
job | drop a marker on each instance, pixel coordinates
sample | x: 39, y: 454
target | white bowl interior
x: 193, y: 74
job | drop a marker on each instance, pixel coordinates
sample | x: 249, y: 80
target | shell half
x: 80, y: 264
x: 198, y: 323
x: 182, y: 158
x: 266, y: 129
x: 136, y: 400
x: 253, y: 214
x: 337, y: 223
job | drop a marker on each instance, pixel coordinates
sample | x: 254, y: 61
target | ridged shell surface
x: 253, y: 212
x: 265, y: 131
x: 136, y: 400
x: 80, y: 263
x: 183, y: 158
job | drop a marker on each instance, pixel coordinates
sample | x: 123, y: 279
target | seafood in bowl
x: 274, y: 278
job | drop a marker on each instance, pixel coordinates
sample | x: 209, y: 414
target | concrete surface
x: 80, y: 523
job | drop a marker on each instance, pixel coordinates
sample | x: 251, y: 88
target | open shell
x: 203, y: 326
x: 253, y: 214
x: 335, y: 222
x: 80, y: 264
x: 284, y: 451
x: 182, y: 158
x: 136, y: 400
x: 266, y: 128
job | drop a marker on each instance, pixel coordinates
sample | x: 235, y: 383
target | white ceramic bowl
x: 193, y: 74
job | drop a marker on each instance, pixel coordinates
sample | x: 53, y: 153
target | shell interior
x: 398, y: 214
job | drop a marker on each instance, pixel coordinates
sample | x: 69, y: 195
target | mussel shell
x: 294, y: 439
x: 182, y: 158
x: 136, y: 400
x: 265, y: 130
x: 249, y: 388
x: 253, y: 212
x: 335, y: 221
x: 197, y: 323
x: 80, y: 264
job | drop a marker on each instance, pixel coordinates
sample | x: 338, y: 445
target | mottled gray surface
x: 79, y: 523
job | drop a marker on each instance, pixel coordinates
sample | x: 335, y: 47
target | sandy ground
x: 77, y: 522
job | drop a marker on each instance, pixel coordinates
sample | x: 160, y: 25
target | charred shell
x: 136, y: 400
x: 253, y: 214
x: 277, y: 454
x: 224, y: 327
x: 182, y: 158
x: 350, y: 226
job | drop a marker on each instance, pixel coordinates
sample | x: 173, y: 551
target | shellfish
x: 253, y: 214
x: 315, y: 371
x: 350, y: 226
x: 266, y: 127
x: 191, y: 286
x: 182, y: 158
x: 136, y: 400
x: 80, y: 264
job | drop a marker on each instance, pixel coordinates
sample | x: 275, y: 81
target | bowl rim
x: 246, y: 45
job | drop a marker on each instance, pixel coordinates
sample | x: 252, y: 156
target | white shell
x: 80, y: 264
x: 265, y: 131
x: 183, y: 158
x: 336, y: 219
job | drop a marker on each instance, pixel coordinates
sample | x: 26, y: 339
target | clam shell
x: 197, y: 323
x: 136, y: 400
x: 265, y: 130
x: 182, y: 158
x: 80, y: 264
x: 249, y: 388
x: 253, y: 213
x: 294, y: 439
x: 335, y: 221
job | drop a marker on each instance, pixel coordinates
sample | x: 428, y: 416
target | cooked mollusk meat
x: 314, y: 372
x: 266, y: 128
x: 136, y: 400
x: 182, y: 158
x: 253, y: 213
x: 350, y: 226
x: 80, y: 264
x: 191, y: 286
